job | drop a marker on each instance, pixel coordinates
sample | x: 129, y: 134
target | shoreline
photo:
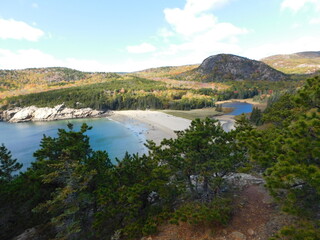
x: 145, y: 124
x: 261, y: 106
x: 155, y: 125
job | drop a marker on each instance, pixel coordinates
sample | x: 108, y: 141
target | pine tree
x: 256, y: 116
x: 78, y: 172
x: 200, y: 157
x: 7, y: 165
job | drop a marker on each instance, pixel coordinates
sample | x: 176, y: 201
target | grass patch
x: 193, y: 114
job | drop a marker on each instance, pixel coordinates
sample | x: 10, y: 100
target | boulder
x: 43, y: 114
x: 24, y: 115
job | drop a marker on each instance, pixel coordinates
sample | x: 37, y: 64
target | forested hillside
x: 131, y: 92
x: 115, y: 94
x: 73, y: 192
x: 20, y: 82
x: 296, y: 63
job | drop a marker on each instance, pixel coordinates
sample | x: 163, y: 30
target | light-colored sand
x: 158, y: 125
x: 261, y: 106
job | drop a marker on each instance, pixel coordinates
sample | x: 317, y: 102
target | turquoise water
x: 239, y: 107
x: 23, y: 139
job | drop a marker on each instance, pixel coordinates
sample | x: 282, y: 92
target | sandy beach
x: 158, y: 125
x: 261, y: 106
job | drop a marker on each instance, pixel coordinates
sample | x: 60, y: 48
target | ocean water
x: 23, y: 139
x: 238, y: 107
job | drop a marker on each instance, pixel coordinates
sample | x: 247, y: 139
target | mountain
x: 296, y: 63
x: 20, y: 82
x: 225, y: 67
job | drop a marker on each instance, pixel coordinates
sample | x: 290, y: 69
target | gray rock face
x: 59, y: 112
x: 231, y: 67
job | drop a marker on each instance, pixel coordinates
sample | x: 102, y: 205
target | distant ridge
x: 226, y: 67
x: 167, y: 71
x: 296, y: 63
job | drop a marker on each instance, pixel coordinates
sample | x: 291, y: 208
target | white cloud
x: 142, y: 48
x: 193, y: 34
x: 302, y: 44
x: 315, y: 21
x: 197, y: 33
x: 26, y: 58
x: 12, y: 29
x: 165, y: 33
x: 297, y: 5
x: 193, y: 17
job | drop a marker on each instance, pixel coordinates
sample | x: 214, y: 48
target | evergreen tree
x: 256, y: 116
x: 297, y: 167
x: 7, y: 165
x: 69, y: 163
x: 200, y: 158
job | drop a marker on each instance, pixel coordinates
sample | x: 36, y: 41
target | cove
x: 238, y: 107
x: 23, y: 139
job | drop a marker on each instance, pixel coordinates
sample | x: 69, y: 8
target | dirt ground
x: 256, y: 217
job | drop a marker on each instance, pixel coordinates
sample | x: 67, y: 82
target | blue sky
x: 126, y: 35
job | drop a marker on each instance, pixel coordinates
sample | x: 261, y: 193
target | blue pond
x: 23, y: 139
x: 238, y: 107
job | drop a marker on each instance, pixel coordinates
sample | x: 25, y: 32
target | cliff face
x: 225, y: 67
x: 59, y: 112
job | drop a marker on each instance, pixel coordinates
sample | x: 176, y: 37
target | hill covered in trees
x: 20, y: 82
x: 126, y: 92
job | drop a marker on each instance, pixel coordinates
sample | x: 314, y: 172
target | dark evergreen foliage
x: 8, y: 166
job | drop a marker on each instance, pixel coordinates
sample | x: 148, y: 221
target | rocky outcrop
x: 59, y: 112
x: 226, y: 67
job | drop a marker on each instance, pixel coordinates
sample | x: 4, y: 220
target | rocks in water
x: 59, y: 112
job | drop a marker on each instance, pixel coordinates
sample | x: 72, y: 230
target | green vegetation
x: 22, y: 82
x: 74, y: 192
x: 7, y: 165
x: 116, y: 94
x: 288, y: 152
x: 259, y: 90
x: 129, y: 92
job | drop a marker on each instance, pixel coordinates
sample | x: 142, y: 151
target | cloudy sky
x: 129, y: 35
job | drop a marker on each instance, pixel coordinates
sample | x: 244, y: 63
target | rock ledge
x: 59, y: 112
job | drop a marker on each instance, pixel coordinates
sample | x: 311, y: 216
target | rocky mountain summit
x: 225, y: 67
x: 59, y: 112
